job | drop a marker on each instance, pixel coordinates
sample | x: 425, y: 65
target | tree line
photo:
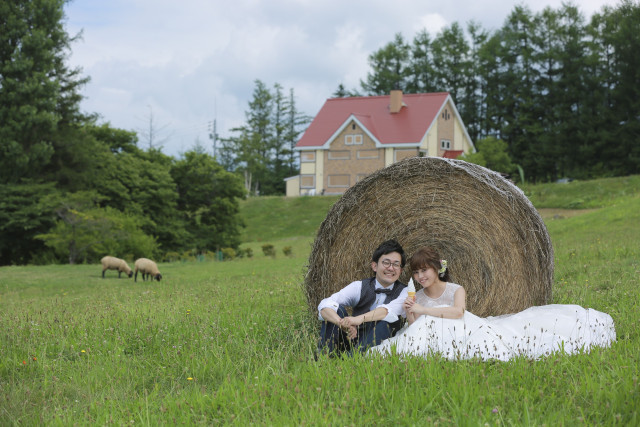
x: 562, y: 93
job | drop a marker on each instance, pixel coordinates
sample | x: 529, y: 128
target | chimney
x: 396, y: 101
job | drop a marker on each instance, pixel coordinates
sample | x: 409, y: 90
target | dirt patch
x: 551, y: 213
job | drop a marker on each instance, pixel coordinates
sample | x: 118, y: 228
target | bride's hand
x: 416, y: 309
x: 408, y: 303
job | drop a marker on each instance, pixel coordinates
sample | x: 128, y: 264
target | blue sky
x: 184, y: 63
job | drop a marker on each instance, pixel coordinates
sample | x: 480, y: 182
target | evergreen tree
x: 389, y: 68
x: 340, y: 92
x: 38, y: 93
x: 597, y: 121
x: 274, y: 182
x: 421, y: 67
x: 519, y: 108
x: 491, y: 67
x: 562, y: 61
x: 294, y: 124
x: 475, y: 86
x: 26, y: 210
x: 621, y: 33
x: 248, y: 151
x: 451, y: 52
x: 262, y: 149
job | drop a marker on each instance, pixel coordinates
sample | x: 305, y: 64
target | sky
x: 171, y: 68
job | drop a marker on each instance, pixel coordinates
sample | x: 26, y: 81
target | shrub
x: 228, y: 254
x: 245, y: 252
x: 287, y: 250
x: 269, y: 250
x: 187, y: 256
x: 171, y: 257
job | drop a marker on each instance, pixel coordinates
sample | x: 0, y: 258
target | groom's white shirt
x: 350, y: 295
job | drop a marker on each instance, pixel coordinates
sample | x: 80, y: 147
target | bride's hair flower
x: 443, y: 263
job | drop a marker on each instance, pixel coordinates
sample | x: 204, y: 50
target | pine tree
x: 389, y: 68
x: 38, y: 93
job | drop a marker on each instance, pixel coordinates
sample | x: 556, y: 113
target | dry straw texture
x: 495, y: 241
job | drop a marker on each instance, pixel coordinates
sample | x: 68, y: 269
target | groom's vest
x: 368, y: 295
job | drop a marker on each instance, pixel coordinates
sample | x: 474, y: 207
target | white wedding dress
x: 534, y: 332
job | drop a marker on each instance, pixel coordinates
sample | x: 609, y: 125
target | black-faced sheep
x: 113, y: 263
x: 147, y: 268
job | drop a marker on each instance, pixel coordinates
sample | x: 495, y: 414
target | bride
x: 439, y: 323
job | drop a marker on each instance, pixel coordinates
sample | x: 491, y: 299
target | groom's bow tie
x: 383, y: 290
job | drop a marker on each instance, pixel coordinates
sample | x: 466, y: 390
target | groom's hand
x: 352, y: 332
x: 351, y: 321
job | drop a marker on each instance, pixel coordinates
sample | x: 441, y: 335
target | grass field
x: 232, y: 342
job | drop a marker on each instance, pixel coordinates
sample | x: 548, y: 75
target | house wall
x: 319, y: 171
x: 462, y: 142
x: 293, y: 186
x: 344, y: 165
x: 388, y: 156
x: 430, y: 141
x: 446, y: 120
x: 404, y: 153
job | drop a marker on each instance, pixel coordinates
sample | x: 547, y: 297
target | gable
x: 372, y: 114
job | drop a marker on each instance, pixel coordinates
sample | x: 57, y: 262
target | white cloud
x: 432, y: 22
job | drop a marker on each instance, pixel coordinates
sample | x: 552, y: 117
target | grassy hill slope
x: 269, y: 218
x: 273, y: 218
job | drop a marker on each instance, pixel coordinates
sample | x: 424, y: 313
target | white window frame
x: 346, y: 152
x: 306, y: 176
x: 338, y: 186
x: 363, y: 156
x: 445, y: 144
x: 353, y: 139
x: 403, y: 150
x: 303, y: 160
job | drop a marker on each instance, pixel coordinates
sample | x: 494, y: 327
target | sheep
x: 147, y: 268
x: 113, y: 263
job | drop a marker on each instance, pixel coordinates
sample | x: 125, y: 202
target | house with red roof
x: 352, y: 137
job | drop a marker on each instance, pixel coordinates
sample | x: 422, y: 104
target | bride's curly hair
x: 426, y: 257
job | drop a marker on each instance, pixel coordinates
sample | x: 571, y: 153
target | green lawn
x: 232, y: 342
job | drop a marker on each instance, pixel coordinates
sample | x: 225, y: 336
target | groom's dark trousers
x: 334, y: 340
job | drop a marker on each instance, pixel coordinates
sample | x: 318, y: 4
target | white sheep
x: 113, y: 263
x: 147, y: 268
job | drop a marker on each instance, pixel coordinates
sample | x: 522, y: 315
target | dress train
x: 535, y: 332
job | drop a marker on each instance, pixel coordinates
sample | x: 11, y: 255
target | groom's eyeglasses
x: 386, y: 263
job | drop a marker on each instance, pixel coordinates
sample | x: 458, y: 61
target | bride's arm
x: 456, y: 311
x: 411, y: 316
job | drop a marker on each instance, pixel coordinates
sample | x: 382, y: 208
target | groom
x: 376, y: 304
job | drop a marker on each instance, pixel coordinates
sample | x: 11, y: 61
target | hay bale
x: 495, y: 241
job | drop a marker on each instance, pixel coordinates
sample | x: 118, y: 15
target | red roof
x: 452, y: 154
x: 409, y: 126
